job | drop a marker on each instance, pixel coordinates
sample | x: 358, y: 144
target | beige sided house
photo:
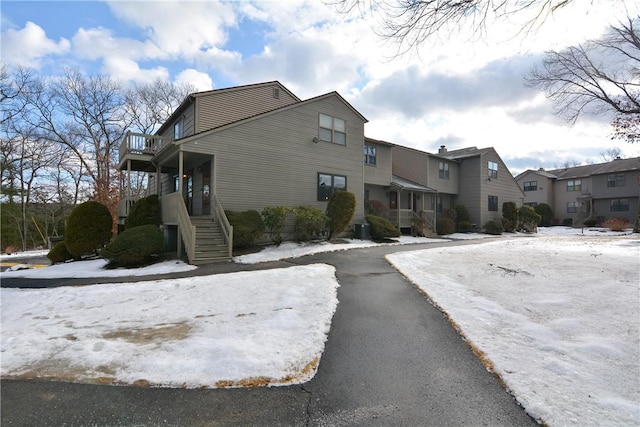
x: 241, y: 148
x: 416, y: 184
x: 601, y: 191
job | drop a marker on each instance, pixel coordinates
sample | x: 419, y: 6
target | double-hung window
x: 493, y: 169
x: 574, y: 185
x: 530, y: 186
x: 443, y: 170
x: 333, y: 129
x: 573, y: 207
x: 615, y: 180
x: 370, y: 155
x: 493, y: 203
x: 329, y: 184
x: 619, y: 205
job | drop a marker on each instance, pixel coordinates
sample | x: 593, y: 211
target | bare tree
x: 411, y: 23
x: 610, y: 154
x: 150, y: 105
x: 599, y: 76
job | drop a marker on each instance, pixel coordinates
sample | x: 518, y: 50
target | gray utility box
x: 362, y: 232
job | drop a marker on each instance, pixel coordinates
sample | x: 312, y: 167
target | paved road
x: 391, y: 359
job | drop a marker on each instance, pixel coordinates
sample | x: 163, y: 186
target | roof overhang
x: 406, y: 185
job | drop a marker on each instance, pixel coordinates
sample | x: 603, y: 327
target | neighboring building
x: 604, y: 190
x: 244, y: 148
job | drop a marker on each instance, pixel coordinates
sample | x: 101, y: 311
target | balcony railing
x: 140, y: 143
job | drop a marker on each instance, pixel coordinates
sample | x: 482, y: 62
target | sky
x: 564, y: 339
x: 457, y: 90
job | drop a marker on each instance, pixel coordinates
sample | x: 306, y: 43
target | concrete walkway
x: 391, y: 359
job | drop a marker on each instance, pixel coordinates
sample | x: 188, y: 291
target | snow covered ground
x: 556, y: 315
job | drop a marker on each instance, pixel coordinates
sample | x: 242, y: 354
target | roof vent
x: 618, y: 158
x: 541, y: 170
x: 443, y: 149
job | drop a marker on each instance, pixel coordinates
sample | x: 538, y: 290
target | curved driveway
x: 391, y: 359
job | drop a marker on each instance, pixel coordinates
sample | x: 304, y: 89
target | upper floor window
x: 329, y: 184
x: 370, y: 155
x: 493, y: 203
x: 443, y: 170
x: 574, y: 185
x: 532, y: 204
x: 493, y: 169
x: 530, y: 185
x: 619, y: 205
x: 276, y: 93
x: 615, y: 180
x: 177, y: 129
x: 573, y: 207
x: 333, y: 129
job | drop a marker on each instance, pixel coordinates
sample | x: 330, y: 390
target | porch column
x: 159, y: 180
x: 180, y: 171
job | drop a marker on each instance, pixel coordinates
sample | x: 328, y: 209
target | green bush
x: 310, y: 223
x: 340, y: 211
x: 143, y: 212
x: 248, y: 226
x: 465, y: 227
x: 567, y: 222
x: 59, y: 253
x: 88, y: 229
x: 590, y: 222
x: 274, y: 219
x: 445, y: 225
x: 134, y: 247
x: 528, y: 219
x: 546, y: 214
x: 381, y: 228
x: 493, y: 227
x: 510, y: 214
x: 462, y: 216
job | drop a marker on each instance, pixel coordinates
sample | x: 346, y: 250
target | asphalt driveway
x: 391, y: 358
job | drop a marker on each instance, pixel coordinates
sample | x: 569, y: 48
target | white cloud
x: 96, y: 43
x: 128, y: 70
x: 201, y: 81
x: 29, y: 46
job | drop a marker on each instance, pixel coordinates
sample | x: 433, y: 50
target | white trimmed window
x: 370, y: 155
x: 329, y: 184
x: 333, y: 129
x: 493, y: 169
x: 443, y: 170
x: 574, y: 185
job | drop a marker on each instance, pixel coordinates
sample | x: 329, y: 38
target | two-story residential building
x: 604, y: 190
x: 243, y: 148
x: 414, y: 183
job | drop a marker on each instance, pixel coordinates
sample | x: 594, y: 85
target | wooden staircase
x: 210, y: 244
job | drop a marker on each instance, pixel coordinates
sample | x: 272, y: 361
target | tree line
x: 59, y: 140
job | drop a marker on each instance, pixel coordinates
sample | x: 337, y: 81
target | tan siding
x: 469, y: 194
x: 379, y: 174
x: 219, y: 108
x: 504, y: 187
x: 273, y: 160
x: 544, y: 193
x: 411, y: 164
x: 449, y: 186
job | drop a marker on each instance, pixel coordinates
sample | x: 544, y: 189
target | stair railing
x: 227, y: 229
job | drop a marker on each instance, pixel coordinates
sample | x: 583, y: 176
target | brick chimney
x: 442, y: 149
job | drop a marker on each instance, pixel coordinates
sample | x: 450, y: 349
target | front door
x: 206, y: 188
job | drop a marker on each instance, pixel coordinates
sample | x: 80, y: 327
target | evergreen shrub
x: 381, y: 228
x: 493, y: 227
x: 134, y: 247
x: 248, y: 227
x: 310, y: 223
x: 59, y: 253
x: 590, y: 222
x: 465, y: 226
x: 510, y: 214
x: 88, y: 229
x: 546, y: 214
x: 445, y: 225
x: 340, y: 211
x: 274, y: 219
x: 143, y: 212
x: 528, y: 219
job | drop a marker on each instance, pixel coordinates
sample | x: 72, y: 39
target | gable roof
x: 463, y: 153
x: 267, y: 113
x: 617, y: 165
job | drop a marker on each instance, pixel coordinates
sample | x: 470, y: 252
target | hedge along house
x: 242, y: 148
